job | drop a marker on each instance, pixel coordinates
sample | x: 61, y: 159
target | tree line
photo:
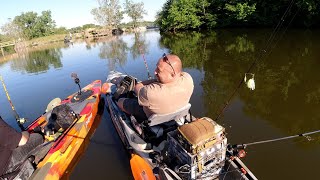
x: 177, y: 15
x: 108, y: 14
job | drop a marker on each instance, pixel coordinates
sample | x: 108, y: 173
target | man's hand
x: 137, y: 88
x: 24, y: 138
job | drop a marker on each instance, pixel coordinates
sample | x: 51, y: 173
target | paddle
x: 20, y: 120
x: 141, y: 170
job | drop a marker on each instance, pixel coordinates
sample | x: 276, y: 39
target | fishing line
x: 278, y: 139
x: 277, y: 28
x: 281, y: 36
x: 261, y: 55
x: 19, y: 120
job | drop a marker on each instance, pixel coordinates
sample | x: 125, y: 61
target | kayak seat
x: 178, y: 115
x: 77, y: 107
x: 157, y: 122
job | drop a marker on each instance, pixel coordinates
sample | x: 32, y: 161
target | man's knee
x: 120, y: 104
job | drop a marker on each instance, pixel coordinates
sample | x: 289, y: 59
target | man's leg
x: 21, y: 153
x: 132, y: 107
x: 120, y: 105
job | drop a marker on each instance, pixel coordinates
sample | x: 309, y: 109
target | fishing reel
x: 237, y: 150
x: 22, y: 120
x: 125, y: 88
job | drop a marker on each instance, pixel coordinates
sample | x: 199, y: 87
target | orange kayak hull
x: 68, y: 148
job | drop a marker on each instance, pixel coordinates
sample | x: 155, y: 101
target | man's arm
x: 137, y: 88
x: 146, y: 82
x: 9, y: 137
x: 140, y: 85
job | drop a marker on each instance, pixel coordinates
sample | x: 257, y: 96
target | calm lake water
x: 286, y: 100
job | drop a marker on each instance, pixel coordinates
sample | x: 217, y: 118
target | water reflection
x: 140, y: 45
x: 94, y: 42
x: 190, y: 47
x: 38, y: 61
x: 115, y: 51
x: 241, y: 44
x: 288, y: 92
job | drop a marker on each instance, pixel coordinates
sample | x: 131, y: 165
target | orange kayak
x: 65, y: 147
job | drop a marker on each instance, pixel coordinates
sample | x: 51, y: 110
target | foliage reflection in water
x: 38, y: 61
x: 285, y: 102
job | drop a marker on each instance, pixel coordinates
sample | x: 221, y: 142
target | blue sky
x: 67, y: 13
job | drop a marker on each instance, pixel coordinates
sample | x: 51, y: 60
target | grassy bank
x: 45, y: 40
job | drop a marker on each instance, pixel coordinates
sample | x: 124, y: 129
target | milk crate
x: 205, y: 164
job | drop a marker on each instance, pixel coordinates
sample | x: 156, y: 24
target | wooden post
x: 2, y: 51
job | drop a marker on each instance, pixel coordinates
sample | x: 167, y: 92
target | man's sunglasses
x: 165, y: 59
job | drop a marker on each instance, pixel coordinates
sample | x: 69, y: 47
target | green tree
x: 44, y: 24
x: 240, y: 11
x: 183, y: 14
x: 34, y: 26
x: 60, y: 30
x: 208, y: 14
x: 135, y: 11
x: 108, y: 13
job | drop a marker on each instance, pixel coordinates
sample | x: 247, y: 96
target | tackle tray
x: 200, y: 135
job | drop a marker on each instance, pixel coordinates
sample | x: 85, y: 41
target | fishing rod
x: 20, y: 121
x: 145, y: 62
x: 263, y: 54
x: 243, y: 146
